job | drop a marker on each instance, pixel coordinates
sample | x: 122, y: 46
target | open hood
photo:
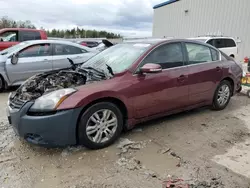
x: 107, y: 43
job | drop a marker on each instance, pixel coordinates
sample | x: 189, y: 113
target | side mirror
x: 14, y: 59
x: 151, y: 68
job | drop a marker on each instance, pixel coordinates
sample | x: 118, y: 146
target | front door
x: 62, y: 51
x: 205, y: 72
x: 8, y: 39
x: 164, y: 91
x: 31, y: 60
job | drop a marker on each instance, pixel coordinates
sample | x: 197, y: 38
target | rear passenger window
x: 168, y: 56
x: 224, y: 43
x: 211, y: 42
x: 198, y: 53
x: 29, y: 35
x: 220, y: 43
x: 215, y: 54
x: 229, y: 43
x: 63, y: 49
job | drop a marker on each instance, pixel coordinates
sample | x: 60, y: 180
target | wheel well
x: 4, y: 83
x: 231, y: 82
x: 115, y: 101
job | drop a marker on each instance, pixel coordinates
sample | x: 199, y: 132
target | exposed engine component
x: 45, y: 83
x: 41, y: 84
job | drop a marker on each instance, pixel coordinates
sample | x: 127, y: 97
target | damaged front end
x: 45, y: 83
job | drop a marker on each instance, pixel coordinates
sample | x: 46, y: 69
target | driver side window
x: 167, y: 55
x: 9, y: 36
x: 35, y: 51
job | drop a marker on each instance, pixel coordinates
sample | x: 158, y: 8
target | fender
x: 82, y: 99
x: 4, y: 74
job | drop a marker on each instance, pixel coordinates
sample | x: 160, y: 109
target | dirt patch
x: 182, y: 146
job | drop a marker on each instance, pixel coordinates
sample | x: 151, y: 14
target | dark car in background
x: 120, y: 87
x: 89, y: 43
x: 98, y: 45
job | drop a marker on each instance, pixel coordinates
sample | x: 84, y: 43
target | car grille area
x: 16, y: 103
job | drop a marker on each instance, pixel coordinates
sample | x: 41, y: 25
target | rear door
x: 164, y: 91
x: 62, y: 51
x: 31, y: 60
x: 205, y: 72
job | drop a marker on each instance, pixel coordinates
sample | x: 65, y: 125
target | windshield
x: 13, y: 48
x: 119, y: 57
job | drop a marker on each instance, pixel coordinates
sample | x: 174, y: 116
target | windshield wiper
x: 91, y: 68
x: 110, y: 70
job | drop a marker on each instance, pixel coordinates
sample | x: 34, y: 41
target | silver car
x: 28, y: 58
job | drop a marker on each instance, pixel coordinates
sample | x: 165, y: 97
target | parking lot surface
x: 199, y: 145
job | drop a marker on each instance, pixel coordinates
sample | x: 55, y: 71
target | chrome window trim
x: 184, y: 65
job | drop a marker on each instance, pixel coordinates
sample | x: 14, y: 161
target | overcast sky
x: 127, y: 17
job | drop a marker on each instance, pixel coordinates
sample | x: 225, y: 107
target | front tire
x: 222, y: 95
x: 100, y: 125
x: 2, y: 84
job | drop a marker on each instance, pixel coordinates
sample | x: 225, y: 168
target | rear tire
x: 248, y: 93
x: 100, y: 125
x: 222, y: 95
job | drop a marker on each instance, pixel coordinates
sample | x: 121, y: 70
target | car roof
x: 31, y: 42
x: 210, y: 37
x: 146, y: 41
x: 164, y: 40
x: 20, y: 29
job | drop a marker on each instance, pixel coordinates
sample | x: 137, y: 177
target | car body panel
x: 203, y: 80
x: 160, y: 92
x: 27, y: 67
x: 4, y: 45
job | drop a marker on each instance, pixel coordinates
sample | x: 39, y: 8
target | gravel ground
x: 203, y: 147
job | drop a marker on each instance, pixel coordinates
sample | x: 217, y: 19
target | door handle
x: 181, y: 78
x: 218, y: 69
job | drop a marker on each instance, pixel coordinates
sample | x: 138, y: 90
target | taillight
x: 246, y: 60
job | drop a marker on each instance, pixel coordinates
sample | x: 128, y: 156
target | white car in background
x: 28, y: 58
x: 225, y: 44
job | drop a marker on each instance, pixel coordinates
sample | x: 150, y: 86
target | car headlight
x: 51, y: 101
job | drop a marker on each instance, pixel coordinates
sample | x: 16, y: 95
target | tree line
x: 6, y: 22
x: 81, y: 33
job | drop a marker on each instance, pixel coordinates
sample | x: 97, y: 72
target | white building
x: 192, y: 18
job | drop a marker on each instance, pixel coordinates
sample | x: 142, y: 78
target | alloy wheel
x: 101, y: 126
x: 223, y: 95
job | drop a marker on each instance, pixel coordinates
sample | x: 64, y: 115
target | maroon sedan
x: 120, y: 87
